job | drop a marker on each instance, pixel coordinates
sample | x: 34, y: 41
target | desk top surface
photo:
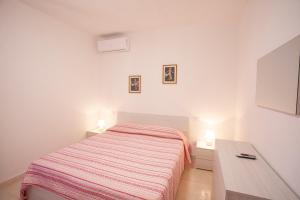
x: 252, y: 177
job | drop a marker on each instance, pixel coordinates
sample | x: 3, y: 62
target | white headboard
x: 178, y: 122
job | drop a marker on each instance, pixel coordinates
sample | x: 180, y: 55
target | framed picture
x: 134, y: 84
x: 169, y: 75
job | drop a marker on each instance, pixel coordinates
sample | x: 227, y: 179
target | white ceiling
x: 114, y: 16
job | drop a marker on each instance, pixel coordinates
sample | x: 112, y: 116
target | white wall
x: 205, y: 55
x: 48, y: 86
x: 266, y: 25
x: 53, y: 84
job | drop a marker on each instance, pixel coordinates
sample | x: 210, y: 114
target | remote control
x: 247, y: 156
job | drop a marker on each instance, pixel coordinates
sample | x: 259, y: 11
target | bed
x: 129, y: 161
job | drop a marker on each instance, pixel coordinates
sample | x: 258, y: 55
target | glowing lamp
x: 101, y: 124
x: 209, y: 137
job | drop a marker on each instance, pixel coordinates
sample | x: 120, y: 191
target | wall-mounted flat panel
x: 277, y: 78
x: 298, y: 99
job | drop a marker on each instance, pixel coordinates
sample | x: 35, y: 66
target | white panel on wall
x: 277, y: 78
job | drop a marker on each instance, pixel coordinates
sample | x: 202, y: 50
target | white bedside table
x: 202, y: 155
x: 93, y: 132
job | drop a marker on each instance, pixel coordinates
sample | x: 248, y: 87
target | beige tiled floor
x: 195, y: 185
x: 10, y: 191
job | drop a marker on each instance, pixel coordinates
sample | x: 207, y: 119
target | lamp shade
x: 101, y: 124
x: 209, y: 137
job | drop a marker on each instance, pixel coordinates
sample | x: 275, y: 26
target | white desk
x: 244, y: 179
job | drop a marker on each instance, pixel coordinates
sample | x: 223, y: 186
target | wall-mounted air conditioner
x: 115, y: 44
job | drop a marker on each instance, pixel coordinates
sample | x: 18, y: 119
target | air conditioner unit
x: 115, y: 44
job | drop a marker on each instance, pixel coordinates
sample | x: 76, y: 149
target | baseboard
x: 11, y: 180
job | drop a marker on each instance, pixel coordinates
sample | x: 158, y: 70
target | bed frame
x: 178, y: 122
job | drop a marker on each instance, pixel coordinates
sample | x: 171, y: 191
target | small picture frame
x: 169, y: 75
x: 134, y: 84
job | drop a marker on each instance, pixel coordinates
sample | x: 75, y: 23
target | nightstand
x: 93, y: 132
x: 202, y: 155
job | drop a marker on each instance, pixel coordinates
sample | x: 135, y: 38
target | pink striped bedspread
x: 129, y: 161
